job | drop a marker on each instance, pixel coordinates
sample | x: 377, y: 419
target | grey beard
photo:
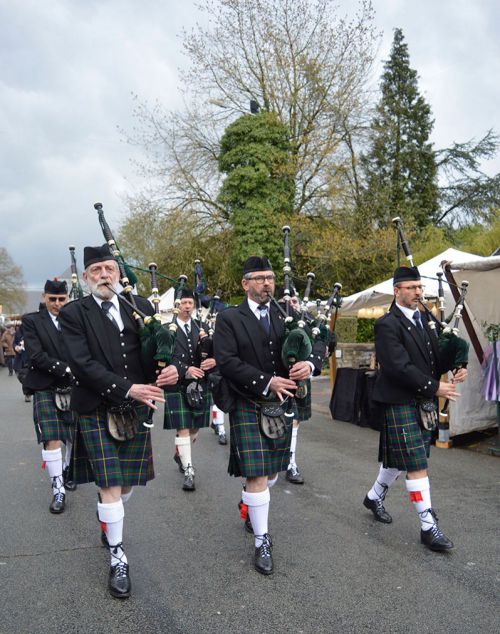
x: 103, y: 292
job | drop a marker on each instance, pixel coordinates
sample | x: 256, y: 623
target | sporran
x: 274, y: 423
x: 428, y: 413
x: 195, y: 395
x: 62, y: 398
x: 122, y: 422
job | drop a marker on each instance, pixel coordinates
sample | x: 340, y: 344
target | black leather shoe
x: 188, y: 484
x: 434, y: 538
x: 294, y: 476
x: 58, y: 503
x: 222, y: 439
x: 68, y: 482
x: 119, y: 581
x: 378, y: 510
x: 178, y: 460
x: 263, y: 559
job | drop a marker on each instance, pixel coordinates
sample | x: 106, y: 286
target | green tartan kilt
x: 304, y: 405
x: 251, y: 453
x: 50, y: 422
x: 403, y: 444
x: 178, y: 414
x: 98, y: 457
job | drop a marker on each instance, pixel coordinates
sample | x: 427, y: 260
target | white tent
x: 166, y: 302
x: 380, y: 296
x: 470, y: 412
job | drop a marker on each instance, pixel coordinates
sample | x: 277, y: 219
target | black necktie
x: 187, y: 329
x: 418, y: 321
x: 56, y: 322
x: 264, y: 318
x: 106, y: 306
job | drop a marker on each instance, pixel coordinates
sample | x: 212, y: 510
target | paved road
x: 337, y: 570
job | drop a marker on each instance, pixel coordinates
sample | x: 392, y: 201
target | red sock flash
x: 416, y: 496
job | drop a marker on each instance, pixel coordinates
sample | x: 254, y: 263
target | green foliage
x: 481, y: 239
x: 400, y: 166
x: 364, y: 331
x: 12, y: 295
x: 258, y: 190
x: 346, y: 329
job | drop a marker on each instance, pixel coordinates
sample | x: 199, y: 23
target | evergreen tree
x: 400, y: 166
x: 258, y: 191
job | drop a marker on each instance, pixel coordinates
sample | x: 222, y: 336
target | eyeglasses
x: 260, y: 279
x: 53, y: 300
x: 414, y: 287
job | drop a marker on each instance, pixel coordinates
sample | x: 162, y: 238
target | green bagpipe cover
x: 157, y: 342
x: 296, y: 345
x: 453, y: 351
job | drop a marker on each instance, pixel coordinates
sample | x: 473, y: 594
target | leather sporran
x: 122, y: 421
x: 62, y: 398
x: 195, y: 395
x: 428, y: 413
x: 273, y: 421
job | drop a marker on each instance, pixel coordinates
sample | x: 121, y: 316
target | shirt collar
x: 113, y: 300
x: 407, y: 312
x: 254, y: 307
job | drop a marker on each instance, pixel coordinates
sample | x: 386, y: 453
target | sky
x: 69, y: 68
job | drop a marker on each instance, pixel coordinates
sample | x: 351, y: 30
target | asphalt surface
x: 336, y: 569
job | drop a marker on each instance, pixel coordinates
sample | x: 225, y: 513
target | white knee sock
x: 112, y: 515
x: 53, y: 463
x: 184, y: 448
x: 420, y: 497
x: 385, y: 478
x: 126, y: 496
x: 218, y: 419
x: 67, y: 454
x: 293, y: 447
x: 271, y: 483
x: 258, y: 510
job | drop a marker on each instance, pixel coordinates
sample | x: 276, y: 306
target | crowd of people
x: 94, y: 389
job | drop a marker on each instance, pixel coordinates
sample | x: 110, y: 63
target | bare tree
x: 12, y: 295
x: 298, y: 58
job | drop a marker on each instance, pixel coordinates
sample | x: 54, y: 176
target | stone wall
x: 355, y: 355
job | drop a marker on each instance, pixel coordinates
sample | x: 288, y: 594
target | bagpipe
x: 302, y: 329
x: 453, y: 350
x: 157, y: 341
x: 76, y: 291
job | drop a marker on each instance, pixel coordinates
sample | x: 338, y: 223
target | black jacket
x: 409, y: 364
x: 246, y: 355
x: 185, y: 356
x: 95, y: 356
x: 47, y: 359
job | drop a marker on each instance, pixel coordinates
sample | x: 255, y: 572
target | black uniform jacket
x: 184, y: 356
x: 94, y: 356
x: 409, y: 365
x: 244, y: 352
x: 47, y: 359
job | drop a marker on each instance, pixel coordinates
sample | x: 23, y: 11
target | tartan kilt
x: 98, y: 457
x: 178, y: 414
x: 50, y: 422
x: 304, y: 405
x: 251, y: 453
x: 404, y: 445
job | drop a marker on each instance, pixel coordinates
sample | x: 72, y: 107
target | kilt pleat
x: 178, y: 414
x: 50, y: 422
x: 251, y: 453
x: 404, y: 445
x: 98, y: 457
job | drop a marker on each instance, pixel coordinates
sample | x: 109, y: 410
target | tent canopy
x: 381, y: 295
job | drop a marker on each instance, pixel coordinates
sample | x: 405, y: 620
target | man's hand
x: 168, y: 376
x: 459, y: 376
x: 194, y: 373
x: 207, y: 364
x: 300, y: 371
x: 447, y: 390
x: 146, y: 394
x: 281, y: 387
